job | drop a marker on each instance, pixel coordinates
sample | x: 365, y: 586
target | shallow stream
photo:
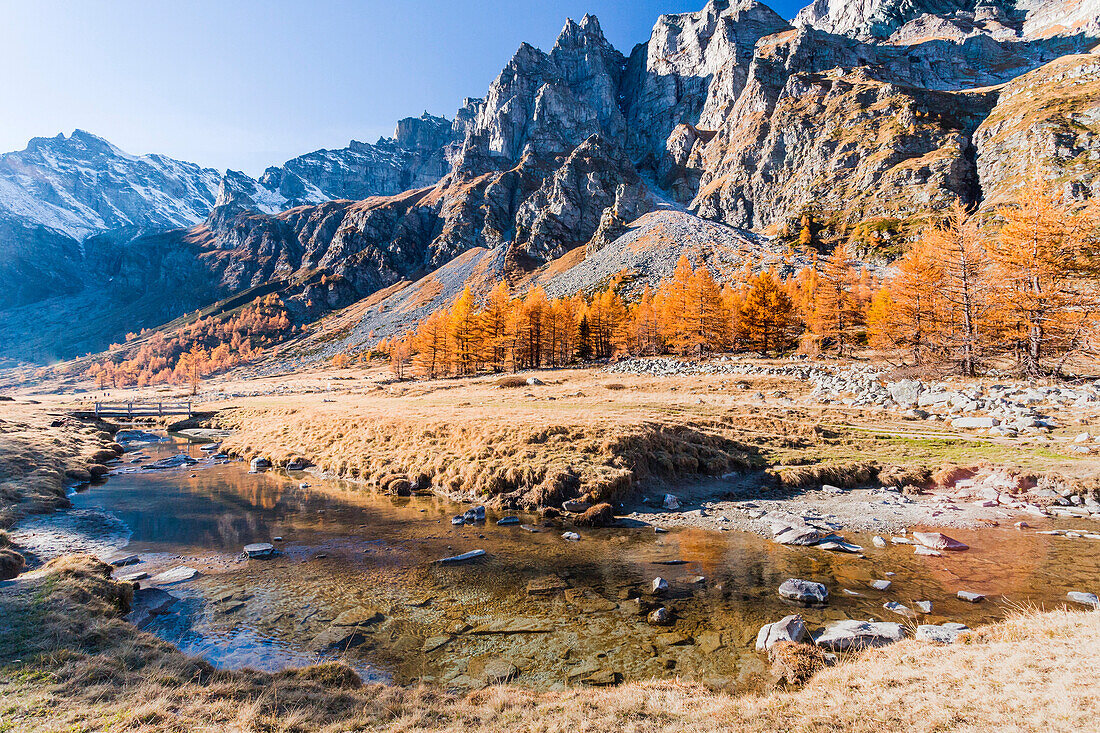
x: 354, y: 578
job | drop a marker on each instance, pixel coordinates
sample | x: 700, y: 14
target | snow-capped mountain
x: 82, y: 185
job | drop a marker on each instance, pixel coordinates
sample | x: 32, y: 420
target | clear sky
x: 245, y: 84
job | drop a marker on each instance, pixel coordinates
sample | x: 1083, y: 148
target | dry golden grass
x: 84, y: 669
x: 469, y: 440
x: 36, y: 459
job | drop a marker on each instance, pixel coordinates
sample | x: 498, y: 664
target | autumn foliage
x: 1018, y: 292
x: 204, y: 347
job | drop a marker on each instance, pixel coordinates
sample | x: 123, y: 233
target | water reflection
x: 351, y: 553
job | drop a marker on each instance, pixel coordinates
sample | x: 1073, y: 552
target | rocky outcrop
x: 843, y: 143
x: 1047, y: 124
x: 692, y: 61
x: 597, y: 179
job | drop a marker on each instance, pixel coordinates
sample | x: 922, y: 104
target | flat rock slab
x: 673, y: 638
x: 965, y: 595
x: 132, y: 576
x: 839, y: 546
x: 927, y: 551
x: 506, y: 521
x: 843, y: 636
x: 939, y: 541
x: 940, y: 634
x: 174, y: 575
x: 125, y: 560
x: 788, y: 628
x: 798, y: 535
x: 259, y: 549
x: 530, y: 528
x: 464, y: 557
x: 804, y: 591
x: 1086, y: 599
x: 337, y: 638
x: 881, y: 584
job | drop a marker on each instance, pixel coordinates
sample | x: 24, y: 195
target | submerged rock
x: 464, y: 557
x: 174, y: 575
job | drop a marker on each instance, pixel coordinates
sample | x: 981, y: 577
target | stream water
x: 354, y: 578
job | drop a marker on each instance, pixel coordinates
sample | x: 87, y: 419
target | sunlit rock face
x: 867, y: 110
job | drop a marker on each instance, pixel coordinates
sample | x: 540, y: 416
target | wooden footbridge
x: 131, y: 410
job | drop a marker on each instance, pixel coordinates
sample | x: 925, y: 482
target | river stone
x: 673, y: 638
x: 671, y: 502
x: 660, y: 617
x: 899, y: 609
x: 881, y: 584
x: 922, y: 550
x: 939, y: 541
x: 497, y: 671
x: 259, y: 549
x: 1086, y: 599
x: 939, y: 634
x: 360, y: 616
x: 924, y: 606
x: 842, y: 636
x: 337, y: 638
x: 659, y: 586
x: 709, y: 642
x: 575, y: 506
x: 258, y: 463
x: 840, y: 546
x: 174, y: 575
x: 125, y: 560
x: 804, y: 591
x: 878, y: 541
x: 505, y: 521
x: 132, y: 576
x: 965, y: 595
x: 789, y: 628
x: 571, y: 536
x: 803, y: 535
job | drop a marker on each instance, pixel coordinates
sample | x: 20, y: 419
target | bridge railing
x: 142, y: 409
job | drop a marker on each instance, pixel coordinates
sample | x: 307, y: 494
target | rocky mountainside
x: 870, y: 113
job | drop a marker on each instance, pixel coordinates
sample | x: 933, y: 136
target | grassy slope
x: 83, y: 668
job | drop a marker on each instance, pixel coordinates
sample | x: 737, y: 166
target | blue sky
x: 246, y: 84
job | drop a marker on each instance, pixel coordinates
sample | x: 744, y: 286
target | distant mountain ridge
x: 872, y: 112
